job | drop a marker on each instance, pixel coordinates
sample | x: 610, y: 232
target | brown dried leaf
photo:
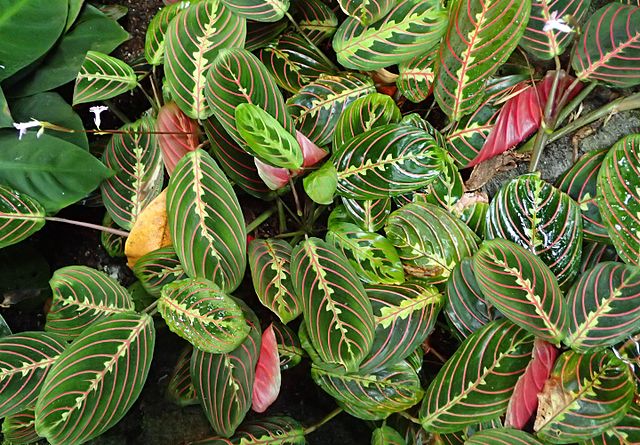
x: 150, y: 231
x: 552, y: 400
x: 483, y: 172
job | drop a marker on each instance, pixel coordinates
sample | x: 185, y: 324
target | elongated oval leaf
x: 96, y: 380
x: 180, y: 389
x: 385, y: 435
x: 81, y: 296
x: 475, y: 384
x: 20, y: 428
x: 266, y: 431
x: 337, y: 311
x: 289, y: 349
x: 410, y: 28
x: 259, y: 10
x: 102, y: 77
x: 316, y: 19
x: 193, y: 39
x: 20, y: 216
x: 624, y: 432
x: 416, y: 76
x: 179, y: 134
x: 370, y: 215
x: 205, y: 221
x: 158, y: 268
x: 619, y: 197
x: 501, y: 436
x: 154, y: 43
x: 25, y: 360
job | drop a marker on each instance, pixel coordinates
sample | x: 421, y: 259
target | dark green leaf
x: 112, y: 243
x: 501, y: 436
x: 625, y: 432
x: 370, y: 215
x: 102, y: 77
x: 180, y: 389
x: 158, y: 268
x: 289, y: 349
x: 385, y: 435
x: 20, y: 428
x: 20, y: 216
x: 266, y: 431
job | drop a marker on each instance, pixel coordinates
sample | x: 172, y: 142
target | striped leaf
x: 479, y: 39
x: 619, y: 197
x: 416, y: 76
x: 96, y: 379
x: 604, y: 306
x: 468, y: 135
x: 25, y: 360
x: 594, y: 253
x: 370, y: 215
x: 261, y: 34
x: 265, y: 431
x: 548, y: 44
x: 411, y: 28
x: 289, y: 349
x: 625, y: 432
x: 294, y: 62
x: 318, y: 105
x: 224, y: 382
x: 387, y: 161
x: 387, y: 390
x: 366, y: 12
x: 385, y: 435
x: 542, y: 219
x: 258, y: 10
x: 154, y: 43
x: 102, y: 77
x: 205, y: 221
x: 580, y: 182
x: 20, y: 428
x: 447, y: 189
x: 609, y: 48
x: 474, y: 216
x: 522, y: 288
x: 404, y: 316
x: 466, y: 306
x: 193, y: 39
x: 364, y: 114
x: 137, y: 161
x: 158, y: 268
x: 316, y: 19
x: 112, y: 243
x: 180, y: 389
x: 200, y: 313
x: 430, y: 240
x: 20, y: 216
x: 501, y: 436
x: 81, y: 296
x: 337, y: 312
x: 475, y: 384
x: 270, y: 263
x: 585, y: 395
x: 461, y: 437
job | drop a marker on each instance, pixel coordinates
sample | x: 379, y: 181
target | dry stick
x: 88, y: 225
x: 328, y: 417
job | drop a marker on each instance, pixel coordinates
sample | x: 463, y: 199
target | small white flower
x: 22, y: 127
x: 97, y: 111
x: 559, y: 24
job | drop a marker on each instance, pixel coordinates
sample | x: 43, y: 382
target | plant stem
x: 327, y: 418
x: 115, y: 110
x: 409, y: 417
x: 152, y: 309
x: 253, y: 225
x: 154, y: 89
x: 290, y: 234
x: 566, y: 111
x: 88, y: 225
x: 282, y: 219
x: 295, y: 198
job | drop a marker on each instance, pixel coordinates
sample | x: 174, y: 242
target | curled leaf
x: 175, y: 145
x: 266, y: 386
x: 150, y: 231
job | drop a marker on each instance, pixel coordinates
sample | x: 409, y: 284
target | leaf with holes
x: 542, y: 219
x: 409, y: 29
x: 416, y: 76
x: 265, y: 431
x: 193, y: 39
x: 430, y: 241
x: 475, y: 384
x: 20, y: 216
x: 317, y: 107
x: 178, y: 134
x: 585, y: 395
x: 154, y: 43
x: 102, y: 77
x: 158, y: 268
x: 81, y: 296
x: 111, y: 357
x: 316, y: 19
x: 479, y: 39
x: 500, y: 436
x: 205, y: 221
x: 20, y: 428
x: 270, y: 264
x: 180, y: 389
x: 522, y: 288
x: 25, y: 360
x: 609, y: 49
x: 370, y: 215
x: 618, y: 191
x: 337, y: 311
x: 136, y: 158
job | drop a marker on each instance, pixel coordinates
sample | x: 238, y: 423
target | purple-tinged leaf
x: 174, y: 146
x: 266, y: 386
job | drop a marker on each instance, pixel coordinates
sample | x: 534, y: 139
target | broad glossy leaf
x: 193, y: 39
x: 317, y: 107
x: 203, y: 315
x: 158, y: 268
x: 474, y: 216
x: 387, y: 390
x: 270, y: 263
x: 316, y: 19
x: 96, y: 379
x: 580, y: 182
x: 261, y: 34
x: 102, y: 77
x: 81, y: 296
x: 387, y: 161
x: 446, y: 190
x: 501, y: 436
x: 609, y: 48
x: 469, y: 134
x: 385, y: 435
x: 320, y: 185
x: 337, y: 311
x: 627, y: 431
x: 6, y: 121
x: 181, y: 134
x: 180, y: 389
x: 224, y: 382
x: 54, y: 172
x: 416, y: 76
x: 362, y: 115
x: 259, y: 10
x: 475, y: 384
x: 366, y: 12
x: 594, y: 253
x: 585, y: 395
x: 266, y: 386
x: 20, y: 216
x: 206, y: 223
x: 479, y: 39
x: 430, y: 240
x: 409, y: 29
x: 112, y: 243
x: 604, y: 306
x: 619, y: 197
x: 543, y: 220
x: 265, y: 431
x: 25, y: 360
x: 404, y: 316
x: 20, y: 428
x: 370, y: 215
x: 154, y: 43
x: 522, y: 288
x: 289, y: 349
x: 137, y: 160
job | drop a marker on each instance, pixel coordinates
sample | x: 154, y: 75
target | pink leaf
x: 524, y: 400
x: 521, y: 115
x: 267, y: 383
x: 174, y: 146
x: 274, y: 177
x: 311, y: 153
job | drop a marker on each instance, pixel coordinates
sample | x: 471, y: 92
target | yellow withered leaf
x: 150, y: 231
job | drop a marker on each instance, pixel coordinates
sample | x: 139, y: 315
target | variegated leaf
x: 385, y: 435
x: 20, y: 216
x: 20, y: 428
x: 289, y: 349
x: 102, y: 77
x: 416, y: 76
x: 259, y: 10
x: 265, y: 431
x: 625, y: 432
x: 154, y: 44
x: 367, y: 11
x: 316, y: 19
x: 180, y: 389
x: 158, y: 268
x: 594, y: 253
x: 112, y: 243
x: 370, y: 215
x: 500, y: 436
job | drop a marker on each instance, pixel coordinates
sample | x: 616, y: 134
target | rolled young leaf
x: 173, y: 146
x: 266, y: 386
